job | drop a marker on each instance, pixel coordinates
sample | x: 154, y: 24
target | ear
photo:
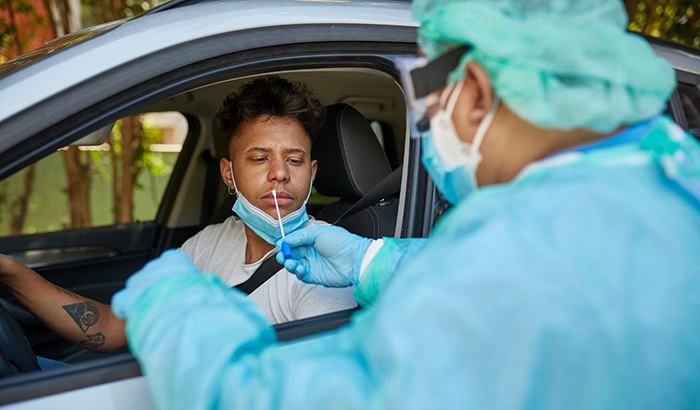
x: 225, y: 168
x: 478, y: 83
x: 314, y: 168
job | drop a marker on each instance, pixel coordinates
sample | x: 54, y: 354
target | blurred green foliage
x: 48, y: 206
x: 676, y: 20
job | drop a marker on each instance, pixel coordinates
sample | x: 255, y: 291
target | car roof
x: 122, y: 42
x: 681, y: 56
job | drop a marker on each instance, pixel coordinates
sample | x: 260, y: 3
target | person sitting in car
x: 269, y: 126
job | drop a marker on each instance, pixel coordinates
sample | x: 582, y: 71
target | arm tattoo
x: 85, y: 314
x: 64, y: 291
x: 94, y: 341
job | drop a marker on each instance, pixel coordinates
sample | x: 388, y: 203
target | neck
x: 256, y: 247
x: 511, y: 144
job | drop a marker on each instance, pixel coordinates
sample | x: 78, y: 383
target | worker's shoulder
x: 562, y: 202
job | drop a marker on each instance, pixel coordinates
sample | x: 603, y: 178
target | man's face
x: 269, y: 154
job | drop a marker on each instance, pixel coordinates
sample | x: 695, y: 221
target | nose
x: 278, y: 172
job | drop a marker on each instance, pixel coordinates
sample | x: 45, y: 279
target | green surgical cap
x: 556, y: 63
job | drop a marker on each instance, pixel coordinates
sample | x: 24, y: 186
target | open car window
x: 120, y: 181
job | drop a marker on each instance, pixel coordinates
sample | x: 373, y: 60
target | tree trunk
x: 117, y: 8
x: 65, y: 15
x: 78, y: 172
x: 650, y: 15
x: 15, y: 29
x: 116, y: 197
x: 131, y: 140
x: 50, y: 13
x: 631, y: 6
x: 19, y: 207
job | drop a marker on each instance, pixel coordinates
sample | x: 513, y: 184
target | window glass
x: 690, y: 100
x: 120, y: 181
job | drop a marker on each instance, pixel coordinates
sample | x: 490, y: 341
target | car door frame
x: 254, y: 52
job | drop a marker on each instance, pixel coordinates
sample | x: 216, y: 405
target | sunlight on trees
x: 677, y: 20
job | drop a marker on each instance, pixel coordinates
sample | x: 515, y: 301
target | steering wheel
x: 16, y: 354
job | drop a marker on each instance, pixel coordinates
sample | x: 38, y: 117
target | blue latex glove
x: 325, y: 255
x: 170, y: 263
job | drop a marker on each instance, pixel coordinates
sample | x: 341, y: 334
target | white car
x: 185, y: 57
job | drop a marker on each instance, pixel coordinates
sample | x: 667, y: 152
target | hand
x: 170, y: 263
x: 325, y: 255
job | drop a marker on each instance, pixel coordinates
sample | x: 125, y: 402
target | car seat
x: 351, y: 161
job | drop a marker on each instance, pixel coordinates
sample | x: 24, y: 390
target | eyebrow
x: 286, y: 151
x: 294, y: 151
x: 258, y: 149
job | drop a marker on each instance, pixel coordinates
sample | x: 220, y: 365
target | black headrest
x: 351, y: 160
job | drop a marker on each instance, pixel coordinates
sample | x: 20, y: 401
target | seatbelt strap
x: 386, y: 187
x: 261, y: 275
x: 211, y: 183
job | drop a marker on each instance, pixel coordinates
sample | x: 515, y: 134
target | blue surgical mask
x: 451, y: 162
x: 453, y: 184
x: 265, y: 226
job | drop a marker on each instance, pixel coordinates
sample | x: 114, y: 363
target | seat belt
x: 261, y: 275
x: 387, y: 186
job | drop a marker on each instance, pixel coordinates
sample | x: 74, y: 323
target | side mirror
x: 97, y: 137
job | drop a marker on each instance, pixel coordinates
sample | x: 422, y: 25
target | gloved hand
x: 325, y: 255
x: 170, y: 263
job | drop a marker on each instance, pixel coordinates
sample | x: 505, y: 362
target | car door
x: 686, y: 99
x: 164, y: 74
x: 90, y: 253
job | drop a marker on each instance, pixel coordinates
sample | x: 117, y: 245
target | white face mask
x: 263, y: 224
x: 454, y: 163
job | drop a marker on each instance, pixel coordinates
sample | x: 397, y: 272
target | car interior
x: 353, y: 155
x: 363, y: 141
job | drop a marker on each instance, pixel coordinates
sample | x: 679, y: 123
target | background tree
x: 57, y: 18
x: 677, y: 20
x: 20, y: 25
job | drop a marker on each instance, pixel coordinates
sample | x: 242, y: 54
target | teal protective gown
x: 577, y: 285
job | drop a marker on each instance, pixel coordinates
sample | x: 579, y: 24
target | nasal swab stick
x: 286, y: 249
x: 277, y: 207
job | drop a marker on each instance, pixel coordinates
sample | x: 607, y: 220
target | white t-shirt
x: 220, y: 249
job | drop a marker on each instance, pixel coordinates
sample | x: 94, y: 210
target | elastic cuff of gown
x: 378, y: 271
x: 156, y: 295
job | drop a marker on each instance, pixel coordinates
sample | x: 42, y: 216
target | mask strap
x: 454, y: 97
x: 445, y: 93
x: 228, y: 188
x: 484, y: 126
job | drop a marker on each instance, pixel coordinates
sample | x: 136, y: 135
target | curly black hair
x: 271, y: 96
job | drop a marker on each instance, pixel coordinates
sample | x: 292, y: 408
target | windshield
x: 56, y: 45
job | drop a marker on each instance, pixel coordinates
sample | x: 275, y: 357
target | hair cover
x: 556, y: 63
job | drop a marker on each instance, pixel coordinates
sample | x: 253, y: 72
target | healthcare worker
x: 566, y: 275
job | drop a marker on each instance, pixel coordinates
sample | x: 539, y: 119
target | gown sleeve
x: 382, y: 267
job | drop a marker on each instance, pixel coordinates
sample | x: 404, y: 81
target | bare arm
x: 77, y: 319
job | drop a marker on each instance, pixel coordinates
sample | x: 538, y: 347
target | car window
x: 690, y: 100
x: 120, y: 181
